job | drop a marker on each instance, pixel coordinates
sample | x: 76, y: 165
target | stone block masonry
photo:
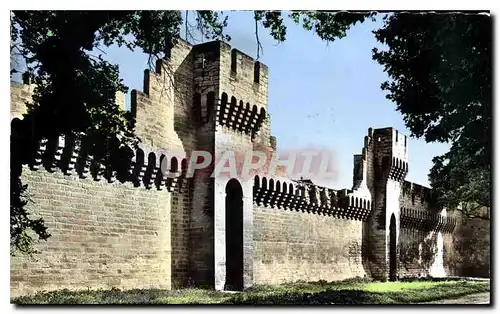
x: 154, y: 231
x: 291, y: 245
x: 103, y: 235
x: 467, y: 249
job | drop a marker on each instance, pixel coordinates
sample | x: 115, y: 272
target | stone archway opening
x: 393, y: 263
x: 234, y: 236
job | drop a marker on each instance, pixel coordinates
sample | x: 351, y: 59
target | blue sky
x: 321, y: 95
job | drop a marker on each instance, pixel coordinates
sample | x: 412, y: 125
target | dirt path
x: 479, y: 298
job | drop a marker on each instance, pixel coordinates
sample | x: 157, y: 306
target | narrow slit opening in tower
x: 210, y: 105
x: 233, y: 60
x: 256, y: 72
x: 197, y: 108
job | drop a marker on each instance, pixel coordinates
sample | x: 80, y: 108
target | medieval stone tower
x: 386, y: 155
x: 176, y: 229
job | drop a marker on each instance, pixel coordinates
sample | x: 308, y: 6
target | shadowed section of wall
x: 431, y: 243
x: 467, y: 249
x: 417, y: 245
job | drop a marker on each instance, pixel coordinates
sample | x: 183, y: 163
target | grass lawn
x: 344, y: 292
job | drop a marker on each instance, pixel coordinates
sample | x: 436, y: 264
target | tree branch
x: 259, y: 45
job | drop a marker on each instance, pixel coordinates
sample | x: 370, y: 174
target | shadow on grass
x: 325, y: 297
x: 357, y: 296
x: 291, y: 294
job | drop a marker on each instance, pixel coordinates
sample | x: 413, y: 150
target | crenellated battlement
x: 390, y: 153
x: 234, y: 68
x: 418, y: 193
x: 426, y: 221
x: 144, y: 167
x: 243, y: 77
x: 391, y: 142
x: 360, y: 169
x: 306, y: 197
x: 245, y: 68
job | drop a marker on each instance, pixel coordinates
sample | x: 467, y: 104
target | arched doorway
x: 393, y: 262
x: 234, y: 236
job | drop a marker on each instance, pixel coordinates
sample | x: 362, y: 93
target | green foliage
x: 76, y: 89
x: 327, y: 25
x: 355, y: 292
x: 212, y: 26
x: 21, y: 224
x: 440, y: 66
x: 440, y: 71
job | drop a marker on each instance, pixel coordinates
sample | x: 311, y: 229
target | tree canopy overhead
x: 439, y: 66
x: 440, y: 71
